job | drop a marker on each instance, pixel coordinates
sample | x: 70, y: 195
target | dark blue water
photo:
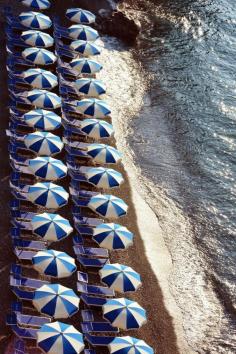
x: 185, y: 140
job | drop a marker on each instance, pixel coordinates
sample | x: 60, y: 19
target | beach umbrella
x: 56, y: 301
x: 37, y: 39
x: 42, y: 119
x: 90, y: 87
x: 54, y: 263
x: 124, y: 313
x: 85, y: 48
x: 51, y: 227
x: 59, y: 338
x: 120, y: 277
x: 80, y: 16
x: 129, y: 345
x: 48, y: 168
x: 40, y: 79
x: 43, y: 143
x: 86, y: 33
x: 44, y: 99
x: 86, y: 66
x: 37, y: 4
x: 39, y: 56
x: 96, y: 129
x: 103, y: 153
x: 113, y: 236
x: 104, y: 177
x: 93, y: 108
x: 48, y: 195
x: 108, y: 206
x: 35, y: 20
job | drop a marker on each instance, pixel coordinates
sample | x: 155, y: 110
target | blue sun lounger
x: 95, y: 341
x: 91, y: 251
x: 21, y: 332
x: 21, y: 281
x: 98, y: 327
x: 23, y: 254
x: 92, y: 262
x: 22, y: 294
x: 96, y: 290
x: 26, y: 320
x: 92, y: 301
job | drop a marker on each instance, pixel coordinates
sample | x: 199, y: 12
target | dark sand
x: 159, y: 331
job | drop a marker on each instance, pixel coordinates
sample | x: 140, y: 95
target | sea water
x: 174, y: 96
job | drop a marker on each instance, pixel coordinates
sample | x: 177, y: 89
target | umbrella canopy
x: 39, y: 56
x: 86, y: 33
x: 80, y: 16
x: 86, y: 66
x: 90, y: 87
x: 37, y: 39
x: 108, y: 206
x: 59, y: 338
x: 42, y: 119
x: 97, y: 129
x: 129, y: 345
x: 56, y: 301
x: 124, y: 313
x: 40, y: 79
x: 104, y: 177
x: 35, y: 20
x: 43, y: 143
x: 37, y: 4
x: 51, y: 227
x: 94, y: 108
x: 54, y: 263
x: 113, y: 236
x: 48, y: 168
x: 48, y: 195
x: 84, y: 47
x: 103, y: 153
x: 120, y: 277
x: 44, y: 99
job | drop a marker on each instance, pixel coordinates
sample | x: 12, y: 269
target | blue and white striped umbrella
x: 51, y: 227
x: 80, y: 16
x: 44, y: 99
x: 56, y: 301
x: 48, y: 195
x: 103, y: 153
x: 120, y: 277
x: 86, y: 66
x: 48, y: 168
x: 37, y: 4
x: 113, y: 236
x: 108, y: 206
x: 104, y: 177
x: 90, y: 87
x: 129, y: 345
x: 39, y: 56
x: 43, y: 143
x: 94, y: 108
x: 42, y: 119
x: 59, y: 338
x: 35, y: 20
x: 85, y: 48
x: 40, y: 79
x: 86, y: 33
x: 37, y: 39
x: 97, y: 129
x: 54, y: 263
x: 124, y: 313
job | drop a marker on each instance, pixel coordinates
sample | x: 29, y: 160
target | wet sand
x: 159, y: 332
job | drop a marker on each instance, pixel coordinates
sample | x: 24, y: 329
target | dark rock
x: 118, y: 24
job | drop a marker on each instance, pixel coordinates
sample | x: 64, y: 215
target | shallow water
x: 179, y: 124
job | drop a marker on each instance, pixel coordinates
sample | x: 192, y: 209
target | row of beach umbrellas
x: 56, y: 300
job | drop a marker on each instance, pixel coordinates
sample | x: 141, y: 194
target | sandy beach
x: 151, y: 259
